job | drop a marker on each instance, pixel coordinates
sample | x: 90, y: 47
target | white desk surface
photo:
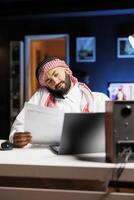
x: 39, y: 161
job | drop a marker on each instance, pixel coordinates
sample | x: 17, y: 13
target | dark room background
x: 105, y: 26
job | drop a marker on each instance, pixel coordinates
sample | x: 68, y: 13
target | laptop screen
x: 83, y: 133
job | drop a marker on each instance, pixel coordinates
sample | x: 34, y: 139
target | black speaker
x: 119, y: 130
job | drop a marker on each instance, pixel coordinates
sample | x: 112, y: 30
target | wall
x: 106, y: 29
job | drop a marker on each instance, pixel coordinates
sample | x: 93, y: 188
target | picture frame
x: 85, y: 49
x: 124, y: 48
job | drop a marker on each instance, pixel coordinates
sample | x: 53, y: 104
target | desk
x: 36, y: 172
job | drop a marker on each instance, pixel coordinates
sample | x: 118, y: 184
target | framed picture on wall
x: 124, y: 48
x: 85, y: 49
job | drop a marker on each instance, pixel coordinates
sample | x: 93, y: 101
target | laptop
x: 82, y: 133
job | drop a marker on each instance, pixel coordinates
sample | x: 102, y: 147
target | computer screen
x: 121, y: 90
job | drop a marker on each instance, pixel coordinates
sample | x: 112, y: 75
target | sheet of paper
x: 45, y: 124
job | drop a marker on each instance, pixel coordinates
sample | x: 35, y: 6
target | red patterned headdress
x: 51, y: 65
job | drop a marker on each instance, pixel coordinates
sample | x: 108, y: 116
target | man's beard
x: 60, y: 92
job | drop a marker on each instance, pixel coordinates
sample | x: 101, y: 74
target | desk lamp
x: 131, y: 40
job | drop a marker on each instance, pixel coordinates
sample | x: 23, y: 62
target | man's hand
x: 21, y: 139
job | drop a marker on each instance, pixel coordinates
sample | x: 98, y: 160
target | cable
x: 118, y: 170
x: 123, y: 159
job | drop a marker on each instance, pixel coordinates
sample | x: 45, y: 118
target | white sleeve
x: 18, y: 125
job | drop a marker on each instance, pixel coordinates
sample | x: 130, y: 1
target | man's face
x: 58, y: 81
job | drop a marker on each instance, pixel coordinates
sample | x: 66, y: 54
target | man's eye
x: 49, y: 81
x: 56, y: 74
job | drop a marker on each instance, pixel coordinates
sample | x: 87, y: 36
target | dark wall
x: 105, y: 28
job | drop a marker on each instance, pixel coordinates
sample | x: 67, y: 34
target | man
x: 58, y: 89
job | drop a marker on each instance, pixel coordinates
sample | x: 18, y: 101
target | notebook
x: 82, y: 133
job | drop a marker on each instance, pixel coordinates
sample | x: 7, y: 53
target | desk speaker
x: 119, y: 129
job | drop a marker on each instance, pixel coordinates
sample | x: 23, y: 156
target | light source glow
x: 131, y: 40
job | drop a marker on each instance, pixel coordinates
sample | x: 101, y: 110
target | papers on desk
x: 45, y: 124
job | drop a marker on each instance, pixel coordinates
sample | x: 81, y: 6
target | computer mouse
x: 6, y: 145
